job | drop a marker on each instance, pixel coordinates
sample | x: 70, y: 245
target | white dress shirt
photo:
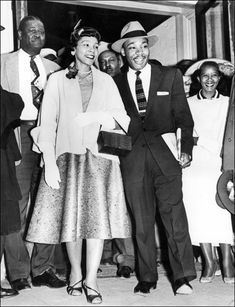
x: 144, y: 76
x: 26, y: 75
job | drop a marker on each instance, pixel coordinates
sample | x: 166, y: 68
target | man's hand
x: 185, y: 160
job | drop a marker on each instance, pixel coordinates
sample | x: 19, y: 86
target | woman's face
x: 86, y: 50
x: 209, y: 79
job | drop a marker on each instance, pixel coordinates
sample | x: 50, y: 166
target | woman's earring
x: 73, y: 52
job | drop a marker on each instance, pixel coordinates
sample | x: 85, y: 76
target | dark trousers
x: 16, y: 256
x: 141, y: 198
x: 115, y: 247
x: 27, y: 173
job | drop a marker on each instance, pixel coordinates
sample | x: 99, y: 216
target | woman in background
x: 81, y: 193
x: 209, y: 225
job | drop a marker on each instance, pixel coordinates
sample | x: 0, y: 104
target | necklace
x: 83, y: 75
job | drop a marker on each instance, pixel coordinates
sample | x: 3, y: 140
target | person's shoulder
x: 9, y: 55
x: 102, y: 76
x: 120, y: 76
x: 52, y: 65
x: 193, y: 98
x: 163, y: 68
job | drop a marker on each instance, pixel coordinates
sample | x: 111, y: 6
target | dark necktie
x: 36, y: 92
x: 141, y: 99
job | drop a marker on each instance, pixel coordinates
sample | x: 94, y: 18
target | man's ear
x: 122, y: 51
x: 19, y: 34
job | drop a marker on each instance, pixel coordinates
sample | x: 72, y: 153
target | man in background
x: 25, y: 72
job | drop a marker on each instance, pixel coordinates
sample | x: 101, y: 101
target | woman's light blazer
x: 58, y: 124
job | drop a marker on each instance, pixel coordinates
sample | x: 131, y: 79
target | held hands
x: 185, y: 160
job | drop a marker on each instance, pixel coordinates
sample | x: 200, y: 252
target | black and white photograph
x: 117, y: 153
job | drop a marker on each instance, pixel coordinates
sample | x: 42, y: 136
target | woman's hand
x: 52, y: 176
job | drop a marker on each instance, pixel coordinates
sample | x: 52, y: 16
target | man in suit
x: 25, y: 72
x: 154, y: 99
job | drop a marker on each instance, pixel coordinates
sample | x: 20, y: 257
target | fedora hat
x: 131, y: 30
x: 222, y: 196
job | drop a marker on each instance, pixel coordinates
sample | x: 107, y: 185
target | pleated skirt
x: 90, y: 203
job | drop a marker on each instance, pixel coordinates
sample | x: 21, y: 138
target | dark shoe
x: 107, y: 261
x: 75, y: 291
x: 92, y: 298
x: 49, y: 279
x: 145, y: 286
x: 124, y: 271
x: 20, y: 284
x: 8, y: 292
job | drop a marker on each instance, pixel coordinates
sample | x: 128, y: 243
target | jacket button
x: 229, y: 139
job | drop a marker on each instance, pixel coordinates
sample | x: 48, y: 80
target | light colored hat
x: 130, y: 30
x: 225, y: 66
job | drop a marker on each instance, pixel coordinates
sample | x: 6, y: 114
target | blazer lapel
x: 72, y: 94
x: 128, y: 96
x: 156, y: 76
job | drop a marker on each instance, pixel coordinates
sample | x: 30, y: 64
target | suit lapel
x: 155, y: 80
x: 128, y: 95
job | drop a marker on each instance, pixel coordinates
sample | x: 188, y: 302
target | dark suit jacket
x: 167, y: 110
x: 11, y: 107
x: 228, y: 142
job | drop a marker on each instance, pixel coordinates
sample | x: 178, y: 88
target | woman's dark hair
x: 81, y: 32
x: 24, y: 21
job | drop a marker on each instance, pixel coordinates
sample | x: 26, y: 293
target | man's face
x: 109, y: 63
x: 136, y: 51
x: 32, y: 37
x: 187, y: 83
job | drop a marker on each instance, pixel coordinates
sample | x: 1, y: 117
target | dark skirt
x: 90, y: 202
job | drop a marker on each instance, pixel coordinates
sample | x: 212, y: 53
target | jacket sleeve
x: 182, y: 113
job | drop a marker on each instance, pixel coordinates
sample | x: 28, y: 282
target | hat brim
x: 117, y: 46
x: 197, y: 65
x: 222, y: 196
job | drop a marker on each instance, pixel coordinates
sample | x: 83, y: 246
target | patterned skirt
x: 90, y: 202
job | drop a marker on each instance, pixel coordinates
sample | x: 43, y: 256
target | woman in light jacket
x: 81, y: 191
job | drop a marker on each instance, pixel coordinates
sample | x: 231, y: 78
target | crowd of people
x: 103, y: 207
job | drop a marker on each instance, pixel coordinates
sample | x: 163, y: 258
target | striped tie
x: 36, y: 92
x: 141, y: 100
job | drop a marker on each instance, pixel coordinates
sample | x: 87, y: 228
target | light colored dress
x: 208, y: 223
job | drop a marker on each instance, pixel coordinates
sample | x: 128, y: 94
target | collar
x: 25, y: 55
x: 201, y: 97
x: 145, y: 71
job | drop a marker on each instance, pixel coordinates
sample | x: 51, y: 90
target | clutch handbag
x: 114, y: 143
